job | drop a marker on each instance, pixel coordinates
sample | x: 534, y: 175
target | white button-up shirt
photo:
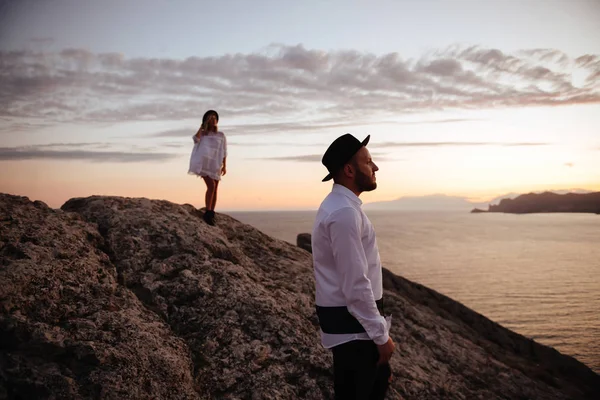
x: 347, y: 266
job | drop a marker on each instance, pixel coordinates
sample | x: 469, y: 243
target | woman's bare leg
x: 214, y: 198
x: 210, y: 192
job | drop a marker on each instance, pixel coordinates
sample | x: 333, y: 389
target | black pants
x: 356, y: 374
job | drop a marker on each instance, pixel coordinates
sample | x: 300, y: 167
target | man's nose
x: 375, y: 167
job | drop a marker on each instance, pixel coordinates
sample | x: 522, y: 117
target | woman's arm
x: 224, y: 167
x: 198, y: 135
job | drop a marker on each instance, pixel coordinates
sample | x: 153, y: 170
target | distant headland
x: 547, y: 202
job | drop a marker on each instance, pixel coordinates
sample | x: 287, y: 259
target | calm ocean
x: 537, y: 274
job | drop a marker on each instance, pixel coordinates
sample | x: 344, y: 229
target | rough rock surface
x: 133, y: 298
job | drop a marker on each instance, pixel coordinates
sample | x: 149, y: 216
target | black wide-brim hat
x: 340, y: 152
x: 207, y: 114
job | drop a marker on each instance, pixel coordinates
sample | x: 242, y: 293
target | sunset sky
x: 465, y: 98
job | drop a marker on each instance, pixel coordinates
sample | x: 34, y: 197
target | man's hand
x: 385, y: 351
x: 223, y: 170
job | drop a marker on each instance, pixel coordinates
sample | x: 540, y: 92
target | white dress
x: 208, y: 154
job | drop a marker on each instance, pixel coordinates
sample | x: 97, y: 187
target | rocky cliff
x: 548, y: 202
x: 119, y: 298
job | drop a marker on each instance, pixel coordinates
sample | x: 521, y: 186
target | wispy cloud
x: 182, y: 132
x: 300, y: 126
x: 42, y: 40
x: 97, y: 145
x: 264, y: 128
x: 438, y: 121
x: 323, y: 125
x: 34, y: 153
x: 21, y: 126
x: 454, y: 144
x: 175, y: 145
x: 569, y: 164
x: 279, y: 144
x: 524, y: 144
x: 318, y: 157
x: 303, y: 158
x: 289, y: 83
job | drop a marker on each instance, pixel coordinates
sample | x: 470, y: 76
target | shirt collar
x: 337, y: 188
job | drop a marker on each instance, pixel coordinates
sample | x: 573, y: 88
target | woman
x: 209, y: 160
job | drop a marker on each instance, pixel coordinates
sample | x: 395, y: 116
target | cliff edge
x: 114, y: 297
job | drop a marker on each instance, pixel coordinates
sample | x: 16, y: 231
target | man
x: 348, y: 276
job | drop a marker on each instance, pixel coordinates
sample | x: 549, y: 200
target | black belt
x: 339, y: 319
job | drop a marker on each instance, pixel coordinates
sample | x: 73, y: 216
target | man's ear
x: 349, y: 170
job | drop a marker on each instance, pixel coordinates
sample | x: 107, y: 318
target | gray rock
x: 136, y: 298
x: 68, y: 328
x: 303, y: 240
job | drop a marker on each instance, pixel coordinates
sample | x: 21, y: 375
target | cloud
x: 318, y: 157
x: 175, y: 145
x: 453, y: 144
x: 439, y: 121
x: 280, y: 144
x: 42, y: 40
x: 22, y: 126
x: 287, y: 127
x: 569, y: 164
x: 312, y: 88
x: 264, y: 128
x: 182, y: 132
x: 33, y: 153
x: 293, y: 127
x: 101, y: 145
x: 303, y: 158
x: 524, y: 144
x: 548, y: 55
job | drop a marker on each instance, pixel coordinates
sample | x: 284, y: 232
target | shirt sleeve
x: 351, y: 262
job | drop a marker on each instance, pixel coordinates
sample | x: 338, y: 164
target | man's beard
x: 363, y: 182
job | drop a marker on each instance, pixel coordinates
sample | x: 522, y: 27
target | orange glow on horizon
x: 60, y: 182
